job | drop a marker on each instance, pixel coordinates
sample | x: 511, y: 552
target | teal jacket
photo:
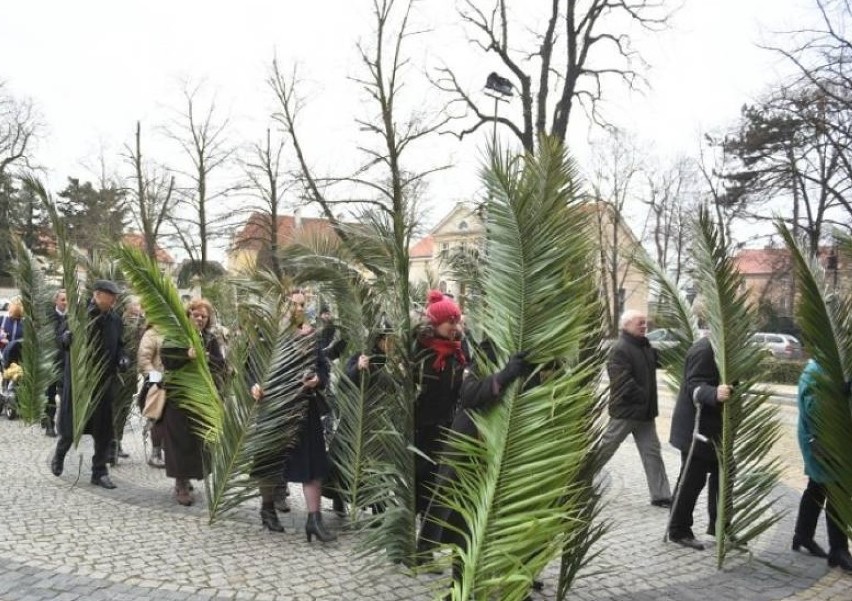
x: 807, y: 401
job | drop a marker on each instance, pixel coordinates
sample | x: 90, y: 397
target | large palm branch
x: 38, y: 345
x: 357, y: 449
x: 674, y: 313
x: 826, y: 321
x: 255, y: 432
x: 85, y: 363
x: 192, y: 387
x: 750, y: 425
x: 523, y: 485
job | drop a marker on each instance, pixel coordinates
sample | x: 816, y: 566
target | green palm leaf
x: 86, y: 368
x: 750, y: 426
x: 255, y: 433
x: 192, y: 387
x: 524, y: 487
x: 826, y: 321
x: 378, y: 244
x: 38, y: 345
x: 674, y: 313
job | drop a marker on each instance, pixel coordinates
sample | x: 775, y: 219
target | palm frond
x: 673, y: 312
x: 826, y: 321
x: 255, y: 433
x: 192, y: 387
x: 86, y: 368
x: 38, y: 345
x: 747, y: 473
x: 524, y: 487
x: 369, y: 452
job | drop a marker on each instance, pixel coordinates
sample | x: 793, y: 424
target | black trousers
x: 813, y: 499
x: 690, y: 483
x: 50, y: 407
x: 99, y: 459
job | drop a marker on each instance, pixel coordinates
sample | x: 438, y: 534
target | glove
x: 515, y: 368
x: 65, y: 339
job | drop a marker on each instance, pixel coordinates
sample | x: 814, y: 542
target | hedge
x: 784, y: 372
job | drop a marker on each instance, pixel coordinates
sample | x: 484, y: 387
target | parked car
x: 661, y: 339
x: 782, y: 346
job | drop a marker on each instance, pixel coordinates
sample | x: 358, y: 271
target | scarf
x: 445, y: 348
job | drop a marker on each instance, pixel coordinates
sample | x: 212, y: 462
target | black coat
x: 632, y: 369
x: 700, y: 379
x: 60, y: 324
x: 442, y: 524
x: 105, y: 333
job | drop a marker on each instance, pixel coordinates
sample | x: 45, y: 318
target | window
x: 463, y: 226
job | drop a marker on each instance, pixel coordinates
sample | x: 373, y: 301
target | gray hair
x: 629, y: 316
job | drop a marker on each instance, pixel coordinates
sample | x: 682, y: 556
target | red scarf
x: 444, y: 348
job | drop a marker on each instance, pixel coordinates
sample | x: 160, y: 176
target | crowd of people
x: 450, y: 390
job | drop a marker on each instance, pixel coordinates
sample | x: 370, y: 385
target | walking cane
x: 696, y: 436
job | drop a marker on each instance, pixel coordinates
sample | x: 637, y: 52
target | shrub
x: 784, y: 372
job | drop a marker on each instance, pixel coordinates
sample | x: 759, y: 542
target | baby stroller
x: 9, y: 360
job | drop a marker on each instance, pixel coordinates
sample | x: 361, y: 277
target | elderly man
x: 701, y: 397
x: 632, y: 370
x: 105, y: 332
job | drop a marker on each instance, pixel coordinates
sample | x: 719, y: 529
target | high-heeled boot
x: 314, y: 526
x: 269, y: 519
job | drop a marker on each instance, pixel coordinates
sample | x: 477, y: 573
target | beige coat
x: 148, y: 358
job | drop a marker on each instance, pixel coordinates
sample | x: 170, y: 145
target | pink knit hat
x: 441, y: 309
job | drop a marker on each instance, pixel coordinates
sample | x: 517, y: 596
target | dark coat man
x: 632, y: 369
x: 701, y: 388
x: 105, y: 331
x: 58, y: 316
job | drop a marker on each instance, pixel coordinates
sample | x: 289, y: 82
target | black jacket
x: 700, y: 379
x: 632, y: 369
x: 105, y: 331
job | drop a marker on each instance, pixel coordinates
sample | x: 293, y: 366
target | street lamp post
x: 500, y: 89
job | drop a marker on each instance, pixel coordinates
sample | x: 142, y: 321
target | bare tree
x: 19, y: 127
x: 263, y: 168
x: 670, y: 198
x: 200, y: 133
x: 560, y: 61
x: 616, y: 169
x: 153, y: 190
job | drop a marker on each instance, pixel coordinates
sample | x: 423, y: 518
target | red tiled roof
x: 765, y: 261
x: 754, y: 261
x: 425, y: 248
x: 138, y: 241
x: 254, y: 233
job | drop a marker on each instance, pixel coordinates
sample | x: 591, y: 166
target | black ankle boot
x: 840, y: 559
x: 270, y: 520
x: 314, y: 526
x: 811, y: 546
x: 338, y: 506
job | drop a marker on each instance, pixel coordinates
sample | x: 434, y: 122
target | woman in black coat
x: 440, y: 363
x: 183, y: 446
x: 306, y: 461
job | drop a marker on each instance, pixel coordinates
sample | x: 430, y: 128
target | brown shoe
x: 182, y: 494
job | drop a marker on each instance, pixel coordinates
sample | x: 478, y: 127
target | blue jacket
x: 807, y: 402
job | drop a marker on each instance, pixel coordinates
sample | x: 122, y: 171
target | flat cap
x: 105, y: 286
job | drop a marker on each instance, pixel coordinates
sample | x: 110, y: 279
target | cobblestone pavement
x: 63, y: 539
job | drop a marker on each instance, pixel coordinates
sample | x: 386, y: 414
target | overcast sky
x: 95, y: 67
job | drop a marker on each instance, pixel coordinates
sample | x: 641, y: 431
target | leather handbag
x: 155, y: 402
